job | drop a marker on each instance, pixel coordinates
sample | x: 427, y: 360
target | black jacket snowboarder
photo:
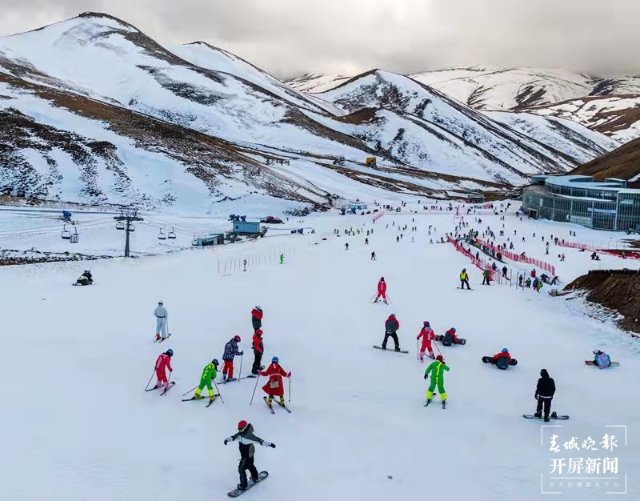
x: 545, y: 390
x: 246, y: 439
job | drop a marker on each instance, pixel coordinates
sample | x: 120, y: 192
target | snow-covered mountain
x: 210, y: 126
x: 316, y: 82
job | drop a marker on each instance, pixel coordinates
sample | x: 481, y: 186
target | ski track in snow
x: 77, y: 359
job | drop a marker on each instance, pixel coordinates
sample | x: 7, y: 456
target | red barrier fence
x: 377, y: 216
x: 519, y: 258
x: 576, y: 245
x: 474, y: 260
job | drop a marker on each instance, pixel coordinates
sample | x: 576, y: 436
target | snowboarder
x: 486, y: 276
x: 281, y: 258
x: 245, y: 437
x: 436, y: 370
x: 161, y: 321
x: 464, y: 279
x: 366, y: 240
x: 382, y: 291
x: 601, y: 359
x: 230, y: 351
x: 373, y: 256
x: 427, y: 335
x: 256, y: 318
x: 502, y: 360
x: 209, y: 373
x: 504, y: 271
x: 258, y: 350
x: 450, y: 337
x: 545, y: 390
x: 275, y: 385
x: 163, y: 362
x: 346, y: 246
x: 391, y: 327
x: 85, y: 279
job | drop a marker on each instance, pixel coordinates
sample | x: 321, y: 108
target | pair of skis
x: 164, y: 392
x: 266, y: 401
x: 161, y: 339
x: 444, y: 404
x: 211, y: 400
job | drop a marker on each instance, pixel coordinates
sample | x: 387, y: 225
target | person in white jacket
x: 161, y: 321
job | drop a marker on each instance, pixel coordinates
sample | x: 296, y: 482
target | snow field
x: 77, y: 359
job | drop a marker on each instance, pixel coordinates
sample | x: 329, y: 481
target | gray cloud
x: 290, y: 37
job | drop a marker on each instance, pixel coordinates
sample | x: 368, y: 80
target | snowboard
x: 552, y: 416
x: 591, y: 362
x: 461, y: 341
x: 487, y: 360
x: 460, y: 288
x: 387, y: 349
x: 236, y: 492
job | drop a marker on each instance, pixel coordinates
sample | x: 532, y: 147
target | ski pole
x: 147, y: 387
x: 289, y: 389
x: 218, y: 390
x: 189, y: 391
x: 240, y: 371
x: 417, y: 349
x: 254, y: 390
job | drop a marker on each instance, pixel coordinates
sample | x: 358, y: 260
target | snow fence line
x: 483, y: 265
x: 377, y: 216
x: 519, y: 258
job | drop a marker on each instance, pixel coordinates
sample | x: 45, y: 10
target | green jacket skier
x: 209, y: 373
x: 436, y: 370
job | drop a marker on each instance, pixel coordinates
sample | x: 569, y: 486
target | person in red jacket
x: 427, y: 335
x: 382, y: 290
x: 258, y: 350
x: 256, y: 318
x: 452, y: 332
x: 163, y: 362
x: 275, y: 385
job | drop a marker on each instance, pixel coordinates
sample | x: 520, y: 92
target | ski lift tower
x: 128, y: 216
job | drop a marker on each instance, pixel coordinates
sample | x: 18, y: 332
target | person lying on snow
x: 85, y: 279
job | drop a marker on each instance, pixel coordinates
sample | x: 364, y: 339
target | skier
x: 504, y: 271
x: 161, y: 321
x: 544, y: 394
x: 486, y: 276
x: 464, y: 279
x: 256, y: 318
x: 258, y: 350
x: 502, y: 359
x: 346, y: 246
x: 436, y: 370
x: 245, y: 437
x: 163, y: 362
x: 427, y: 335
x: 373, y: 256
x: 85, y: 279
x: 366, y: 240
x: 275, y: 385
x: 230, y: 351
x: 450, y: 337
x: 601, y: 359
x: 209, y: 373
x: 391, y: 327
x: 382, y: 291
x: 281, y: 258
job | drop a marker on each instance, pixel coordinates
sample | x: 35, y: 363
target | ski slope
x: 77, y: 424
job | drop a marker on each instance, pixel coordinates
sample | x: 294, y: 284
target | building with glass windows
x: 603, y: 205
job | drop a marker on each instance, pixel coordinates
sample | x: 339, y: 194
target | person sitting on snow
x: 601, y: 359
x: 85, y: 279
x: 502, y: 360
x: 450, y: 337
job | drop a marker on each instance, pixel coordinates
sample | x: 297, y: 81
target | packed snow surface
x: 77, y: 424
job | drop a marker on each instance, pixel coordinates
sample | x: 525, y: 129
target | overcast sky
x: 291, y: 37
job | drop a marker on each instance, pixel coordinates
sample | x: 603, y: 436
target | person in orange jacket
x: 275, y: 385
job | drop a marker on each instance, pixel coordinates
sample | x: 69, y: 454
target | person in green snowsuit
x: 436, y: 369
x: 209, y: 373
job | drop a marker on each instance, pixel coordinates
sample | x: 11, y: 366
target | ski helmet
x: 426, y: 324
x: 258, y: 332
x: 544, y: 373
x: 597, y: 352
x: 275, y: 360
x: 215, y: 362
x: 160, y: 302
x: 258, y: 308
x: 242, y: 425
x: 237, y: 338
x: 169, y: 352
x: 382, y: 278
x: 453, y: 329
x: 505, y: 350
x: 440, y: 358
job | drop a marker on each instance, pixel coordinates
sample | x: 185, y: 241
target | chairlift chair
x: 162, y: 235
x: 75, y: 238
x: 131, y: 227
x: 120, y: 225
x: 66, y: 234
x: 171, y: 234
